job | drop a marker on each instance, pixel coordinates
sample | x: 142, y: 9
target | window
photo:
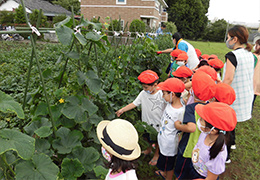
x: 120, y: 1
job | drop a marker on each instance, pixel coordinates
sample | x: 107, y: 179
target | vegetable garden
x: 50, y: 110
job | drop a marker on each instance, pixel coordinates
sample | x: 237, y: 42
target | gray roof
x: 47, y: 7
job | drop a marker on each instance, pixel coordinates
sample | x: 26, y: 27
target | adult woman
x: 238, y: 72
x: 257, y: 70
x: 183, y: 45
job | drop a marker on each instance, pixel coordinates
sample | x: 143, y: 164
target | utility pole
x: 226, y: 31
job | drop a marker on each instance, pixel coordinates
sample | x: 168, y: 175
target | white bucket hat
x: 119, y: 137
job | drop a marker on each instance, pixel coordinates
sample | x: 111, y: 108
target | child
x: 119, y: 140
x: 167, y: 137
x: 209, y: 154
x: 217, y: 64
x: 226, y: 94
x: 173, y: 66
x: 182, y: 59
x: 204, y: 89
x: 184, y: 74
x: 213, y: 56
x: 152, y: 105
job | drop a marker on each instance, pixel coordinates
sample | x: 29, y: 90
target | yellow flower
x: 119, y: 57
x: 105, y: 34
x: 105, y: 23
x: 61, y: 100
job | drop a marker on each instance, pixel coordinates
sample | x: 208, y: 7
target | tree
x: 189, y: 17
x: 19, y: 15
x: 34, y: 16
x: 215, y: 31
x: 68, y: 3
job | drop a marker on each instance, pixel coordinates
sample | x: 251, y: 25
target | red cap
x: 198, y: 52
x: 213, y: 56
x: 205, y: 56
x: 172, y: 84
x: 218, y: 114
x: 176, y: 52
x: 225, y: 93
x: 182, y: 71
x: 148, y: 77
x: 203, y: 86
x: 182, y: 56
x: 210, y: 71
x: 216, y: 63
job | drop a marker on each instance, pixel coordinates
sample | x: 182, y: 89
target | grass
x: 245, y: 159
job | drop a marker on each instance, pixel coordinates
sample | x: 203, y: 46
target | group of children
x: 191, y: 112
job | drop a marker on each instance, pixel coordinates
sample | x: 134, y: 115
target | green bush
x: 137, y: 26
x: 6, y: 17
x: 115, y: 26
x: 170, y: 27
x: 58, y: 18
x: 19, y: 15
x: 34, y: 16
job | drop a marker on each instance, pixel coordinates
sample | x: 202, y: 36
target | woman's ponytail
x: 248, y: 46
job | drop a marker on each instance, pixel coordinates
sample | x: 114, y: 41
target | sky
x: 240, y: 11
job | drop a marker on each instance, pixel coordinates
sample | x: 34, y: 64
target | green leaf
x: 47, y: 74
x: 92, y: 36
x: 43, y: 131
x: 95, y: 119
x: 39, y: 167
x: 65, y: 35
x: 89, y: 106
x: 11, y: 139
x: 71, y: 168
x: 87, y: 156
x: 77, y: 109
x: 7, y: 103
x: 42, y: 146
x: 81, y: 77
x: 93, y: 82
x: 67, y: 21
x: 67, y: 140
x: 100, y: 171
x: 42, y: 109
x: 96, y: 26
x: 81, y: 39
x: 73, y: 55
x: 36, y: 124
x: 66, y: 122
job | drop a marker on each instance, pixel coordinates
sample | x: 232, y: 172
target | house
x: 151, y: 12
x: 50, y: 10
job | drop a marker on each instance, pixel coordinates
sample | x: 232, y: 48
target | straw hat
x: 120, y: 138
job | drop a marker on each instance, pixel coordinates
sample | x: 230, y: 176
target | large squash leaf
x: 87, y: 156
x: 65, y: 34
x: 78, y: 108
x: 23, y: 144
x: 40, y: 167
x: 7, y: 103
x: 71, y: 168
x: 67, y: 140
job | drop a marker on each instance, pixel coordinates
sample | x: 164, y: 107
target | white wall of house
x: 10, y: 6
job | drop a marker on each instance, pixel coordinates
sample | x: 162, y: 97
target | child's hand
x: 119, y: 112
x: 177, y: 124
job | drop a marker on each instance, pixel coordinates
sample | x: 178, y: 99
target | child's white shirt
x: 152, y: 106
x: 167, y: 137
x: 128, y: 175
